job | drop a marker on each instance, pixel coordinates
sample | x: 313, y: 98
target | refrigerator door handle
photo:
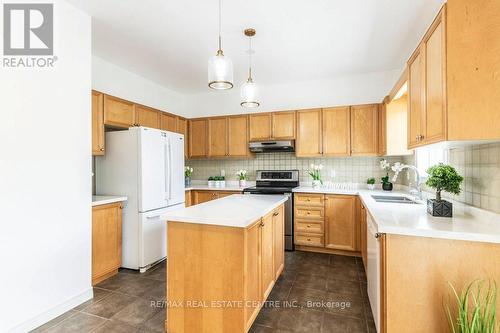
x: 166, y: 170
x: 170, y: 173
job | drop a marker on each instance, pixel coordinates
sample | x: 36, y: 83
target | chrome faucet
x: 417, y: 191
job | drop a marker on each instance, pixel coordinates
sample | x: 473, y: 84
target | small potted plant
x: 442, y: 177
x: 242, y: 177
x: 211, y: 181
x: 371, y: 183
x: 188, y: 172
x: 315, y: 173
x: 386, y: 184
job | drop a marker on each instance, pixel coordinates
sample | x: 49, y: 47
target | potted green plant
x: 371, y: 183
x: 386, y: 184
x: 242, y: 177
x: 315, y: 173
x: 475, y: 309
x: 188, y: 172
x: 442, y: 177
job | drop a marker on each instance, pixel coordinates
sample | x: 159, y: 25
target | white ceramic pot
x: 371, y: 186
x: 211, y: 183
x: 316, y: 184
x: 243, y: 183
x: 222, y: 183
x: 217, y: 183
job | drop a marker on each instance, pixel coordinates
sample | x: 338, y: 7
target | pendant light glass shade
x: 249, y: 93
x: 249, y: 90
x: 220, y: 72
x: 220, y: 67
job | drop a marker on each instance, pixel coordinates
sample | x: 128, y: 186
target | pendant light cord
x: 220, y: 25
x: 250, y: 58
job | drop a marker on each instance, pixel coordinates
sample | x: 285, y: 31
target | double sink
x: 393, y: 199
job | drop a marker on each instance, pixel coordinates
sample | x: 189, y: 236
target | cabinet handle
x: 276, y: 214
x: 309, y: 239
x: 262, y: 224
x: 308, y: 225
x: 101, y: 149
x: 308, y: 213
x: 308, y: 199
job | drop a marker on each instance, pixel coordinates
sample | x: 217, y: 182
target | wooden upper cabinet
x: 340, y: 227
x: 416, y: 103
x: 147, y: 117
x: 309, y: 133
x: 197, y: 138
x: 337, y: 131
x: 435, y: 94
x: 283, y: 125
x: 238, y: 136
x: 268, y: 269
x: 168, y: 122
x: 118, y: 112
x: 260, y: 126
x: 382, y: 129
x: 364, y: 130
x: 182, y: 128
x: 97, y: 123
x: 217, y: 137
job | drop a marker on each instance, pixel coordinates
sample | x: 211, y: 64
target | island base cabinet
x: 106, y: 241
x: 219, y: 277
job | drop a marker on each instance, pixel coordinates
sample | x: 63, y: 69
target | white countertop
x: 230, y: 188
x: 468, y: 223
x: 98, y: 200
x: 237, y: 210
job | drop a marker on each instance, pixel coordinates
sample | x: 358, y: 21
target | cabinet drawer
x: 309, y: 240
x: 309, y: 200
x: 309, y: 227
x: 309, y: 213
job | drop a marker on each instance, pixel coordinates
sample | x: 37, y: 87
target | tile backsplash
x: 480, y: 167
x: 349, y: 169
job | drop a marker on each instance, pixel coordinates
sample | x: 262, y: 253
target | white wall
x: 350, y: 90
x: 45, y: 180
x: 116, y: 81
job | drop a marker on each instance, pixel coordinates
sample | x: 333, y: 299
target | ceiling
x: 169, y: 42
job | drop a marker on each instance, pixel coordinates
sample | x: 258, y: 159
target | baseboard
x: 53, y: 313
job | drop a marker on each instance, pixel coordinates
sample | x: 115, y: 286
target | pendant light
x: 220, y: 67
x: 249, y: 88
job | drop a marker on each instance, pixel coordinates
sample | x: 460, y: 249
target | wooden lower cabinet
x: 106, y: 241
x: 209, y: 263
x: 340, y: 222
x: 188, y: 198
x: 327, y: 223
x: 363, y: 235
x: 201, y: 196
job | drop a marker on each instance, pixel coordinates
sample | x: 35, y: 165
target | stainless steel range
x: 279, y: 182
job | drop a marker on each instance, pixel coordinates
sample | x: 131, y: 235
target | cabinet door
x: 198, y: 138
x: 203, y: 196
x: 97, y: 123
x: 340, y: 217
x: 260, y: 126
x: 267, y: 255
x: 168, y: 122
x: 217, y: 137
x: 416, y: 98
x: 106, y: 240
x: 364, y: 130
x: 187, y: 198
x: 283, y: 125
x: 279, y: 241
x: 147, y: 117
x: 435, y: 105
x: 253, y: 293
x: 382, y: 130
x: 182, y: 128
x: 308, y: 133
x: 238, y: 136
x: 118, y: 112
x: 337, y: 131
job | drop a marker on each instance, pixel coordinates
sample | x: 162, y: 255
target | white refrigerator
x: 146, y: 165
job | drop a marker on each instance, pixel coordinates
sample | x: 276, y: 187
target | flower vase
x: 243, y: 183
x: 187, y: 181
x: 387, y: 186
x: 316, y: 184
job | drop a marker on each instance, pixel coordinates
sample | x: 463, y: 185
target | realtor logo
x: 28, y: 29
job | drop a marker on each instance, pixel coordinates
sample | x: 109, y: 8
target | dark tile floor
x: 316, y: 293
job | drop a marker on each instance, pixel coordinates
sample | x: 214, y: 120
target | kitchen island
x: 224, y: 257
